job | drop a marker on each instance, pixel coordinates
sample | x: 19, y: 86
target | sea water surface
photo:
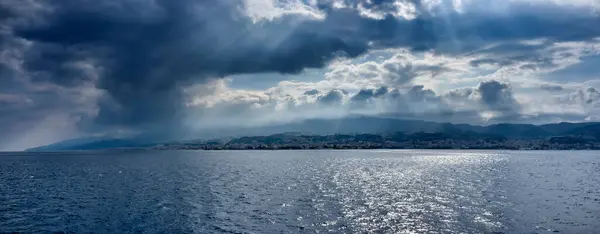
x: 413, y: 191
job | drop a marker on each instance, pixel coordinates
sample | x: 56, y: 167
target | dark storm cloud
x: 5, y: 12
x: 453, y: 32
x: 5, y: 72
x: 149, y: 50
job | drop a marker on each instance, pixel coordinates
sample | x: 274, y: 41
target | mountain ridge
x: 352, y: 125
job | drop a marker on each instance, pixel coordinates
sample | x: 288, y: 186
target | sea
x: 362, y: 191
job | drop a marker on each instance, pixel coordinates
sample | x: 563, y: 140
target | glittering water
x: 301, y: 192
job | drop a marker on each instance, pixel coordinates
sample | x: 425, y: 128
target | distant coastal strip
x: 393, y: 141
x: 364, y: 133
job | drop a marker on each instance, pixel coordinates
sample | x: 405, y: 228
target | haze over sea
x: 409, y: 191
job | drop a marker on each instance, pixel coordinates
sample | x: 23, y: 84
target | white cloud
x: 398, y: 9
x: 271, y: 9
x: 427, y: 85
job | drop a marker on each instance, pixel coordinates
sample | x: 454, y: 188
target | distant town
x: 291, y: 141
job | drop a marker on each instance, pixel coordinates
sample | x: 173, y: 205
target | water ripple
x: 409, y: 191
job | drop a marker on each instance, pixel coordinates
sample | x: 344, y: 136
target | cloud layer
x: 83, y: 67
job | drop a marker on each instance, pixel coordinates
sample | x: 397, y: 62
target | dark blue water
x: 301, y: 192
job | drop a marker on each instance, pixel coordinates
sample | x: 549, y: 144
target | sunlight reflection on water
x: 408, y: 191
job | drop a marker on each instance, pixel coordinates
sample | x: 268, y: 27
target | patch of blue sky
x: 587, y: 69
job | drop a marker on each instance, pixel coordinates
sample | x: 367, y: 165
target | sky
x: 79, y: 68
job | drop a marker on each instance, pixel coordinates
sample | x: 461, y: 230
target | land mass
x: 421, y: 140
x: 368, y: 133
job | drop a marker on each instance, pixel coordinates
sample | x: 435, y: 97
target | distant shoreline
x: 425, y: 141
x: 217, y: 150
x: 350, y: 149
x: 361, y: 149
x: 364, y: 133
